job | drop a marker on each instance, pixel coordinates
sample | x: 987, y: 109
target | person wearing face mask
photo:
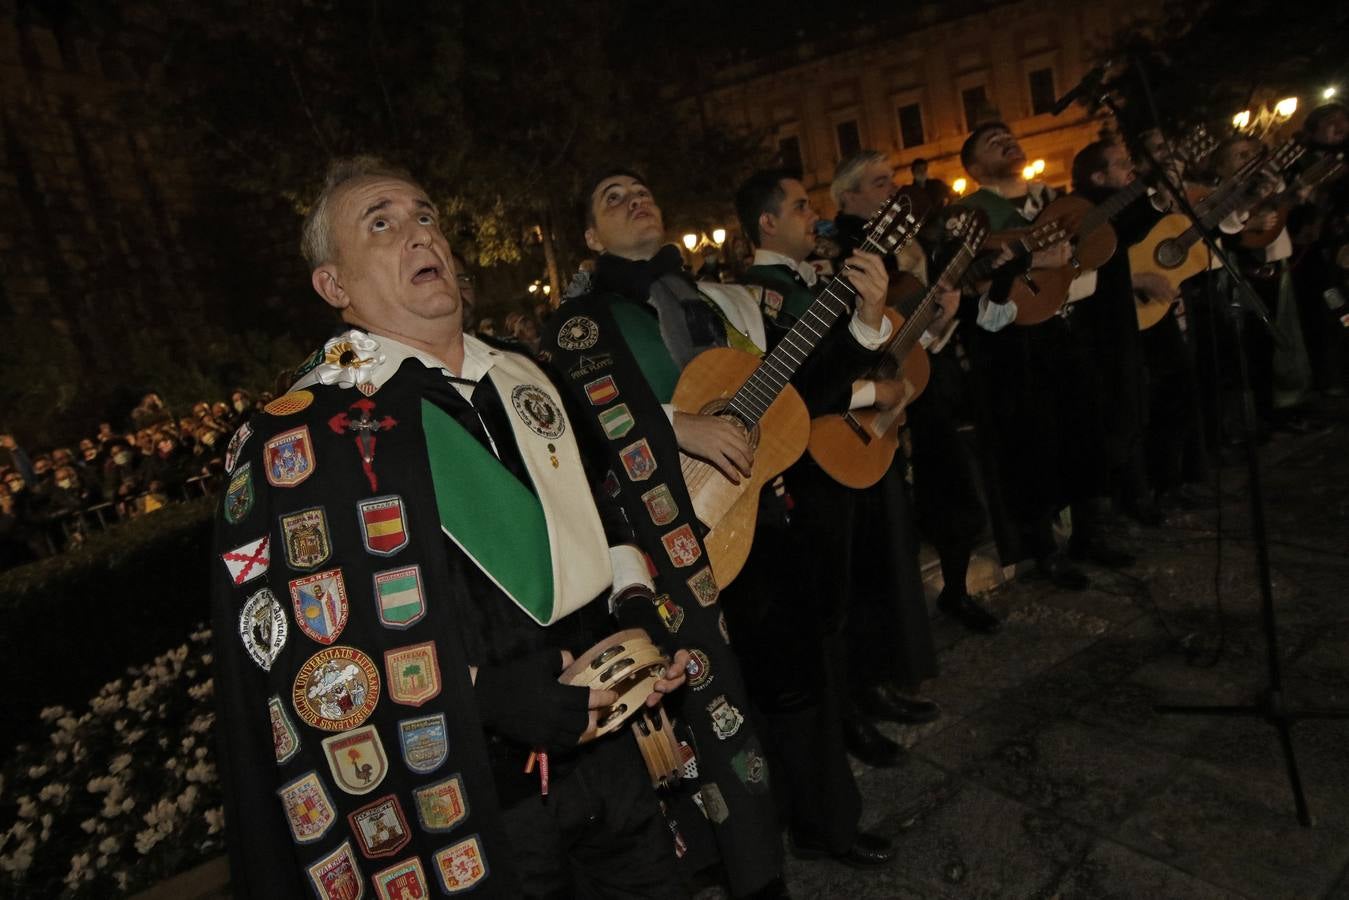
x: 122, y: 466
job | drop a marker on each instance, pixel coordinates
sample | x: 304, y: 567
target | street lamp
x: 1241, y: 119
x: 718, y: 236
x: 1286, y: 107
x: 1329, y: 93
x: 1038, y: 166
x: 690, y: 241
x: 1028, y: 172
x: 959, y: 185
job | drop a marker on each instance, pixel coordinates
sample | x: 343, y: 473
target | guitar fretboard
x: 777, y: 368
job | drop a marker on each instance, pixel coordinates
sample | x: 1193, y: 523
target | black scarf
x: 632, y: 277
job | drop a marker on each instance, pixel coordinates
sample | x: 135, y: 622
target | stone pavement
x: 1050, y: 775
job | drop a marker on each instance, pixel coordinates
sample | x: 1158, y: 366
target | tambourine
x: 660, y: 749
x: 626, y: 663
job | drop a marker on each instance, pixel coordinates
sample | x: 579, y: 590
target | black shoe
x: 885, y: 701
x: 867, y: 851
x: 865, y: 741
x: 1062, y: 573
x: 969, y: 612
x: 1101, y: 553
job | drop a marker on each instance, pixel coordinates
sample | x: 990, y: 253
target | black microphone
x: 1089, y: 84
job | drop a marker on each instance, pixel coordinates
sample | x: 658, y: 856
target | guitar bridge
x: 862, y: 434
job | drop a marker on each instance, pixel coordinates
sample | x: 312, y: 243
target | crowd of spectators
x: 51, y: 499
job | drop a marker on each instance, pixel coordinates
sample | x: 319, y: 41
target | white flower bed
x: 121, y: 796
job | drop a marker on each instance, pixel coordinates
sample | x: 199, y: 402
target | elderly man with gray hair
x: 392, y: 609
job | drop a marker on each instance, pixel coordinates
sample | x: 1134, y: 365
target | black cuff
x: 523, y: 701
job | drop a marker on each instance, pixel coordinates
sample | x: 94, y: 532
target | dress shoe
x: 885, y: 701
x: 867, y: 851
x: 969, y: 612
x: 1101, y: 553
x: 1062, y: 573
x: 865, y: 741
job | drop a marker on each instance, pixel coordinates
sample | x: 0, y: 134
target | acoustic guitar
x: 857, y: 447
x: 1093, y: 238
x: 1282, y: 204
x: 1174, y: 248
x: 756, y: 394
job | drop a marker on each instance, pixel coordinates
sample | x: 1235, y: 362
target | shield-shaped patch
x: 460, y: 866
x: 441, y: 806
x: 320, y: 602
x: 336, y: 689
x: 401, y: 881
x: 399, y: 599
x: 305, y: 536
x: 425, y: 742
x: 617, y: 421
x: 380, y: 828
x: 239, y: 495
x: 356, y: 759
x: 704, y: 586
x: 248, y: 561
x: 682, y: 546
x: 602, y: 391
x: 289, y: 457
x: 384, y: 526
x: 638, y: 460
x: 337, y: 876
x: 235, y: 445
x: 413, y: 676
x: 660, y: 505
x: 309, y: 809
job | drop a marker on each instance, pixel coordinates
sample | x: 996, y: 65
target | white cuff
x: 629, y: 571
x: 869, y: 337
x: 1234, y: 222
x: 995, y: 316
x: 669, y: 412
x: 1083, y: 285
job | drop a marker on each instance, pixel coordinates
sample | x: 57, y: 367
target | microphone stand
x: 1271, y: 704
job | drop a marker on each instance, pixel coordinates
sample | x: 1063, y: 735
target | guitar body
x: 731, y: 510
x: 1150, y: 312
x: 1160, y: 253
x: 1255, y: 240
x: 1043, y: 301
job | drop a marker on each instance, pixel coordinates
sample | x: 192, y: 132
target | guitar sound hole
x: 1169, y: 253
x: 718, y: 408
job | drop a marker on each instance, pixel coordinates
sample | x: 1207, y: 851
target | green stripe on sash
x: 641, y: 330
x: 490, y: 514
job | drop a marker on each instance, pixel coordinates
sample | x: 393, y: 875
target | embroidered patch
x: 263, y: 628
x: 425, y: 743
x: 289, y: 404
x: 413, y: 674
x: 320, y: 604
x: 688, y: 761
x: 289, y: 457
x: 714, y: 804
x: 404, y: 880
x: 337, y: 876
x: 399, y: 599
x: 671, y: 613
x: 638, y: 461
x: 356, y: 759
x: 460, y: 866
x: 699, y: 670
x: 588, y: 365
x: 285, y: 739
x: 441, y: 806
x: 336, y: 689
x: 726, y: 719
x: 772, y: 303
x: 682, y: 546
x: 721, y: 626
x: 239, y: 495
x: 380, y: 828
x: 751, y: 768
x: 304, y: 535
x: 660, y: 505
x: 236, y: 444
x: 578, y: 333
x: 602, y: 391
x: 704, y: 586
x: 538, y: 411
x: 617, y: 421
x: 309, y: 809
x: 384, y: 525
x: 248, y: 561
x: 611, y: 485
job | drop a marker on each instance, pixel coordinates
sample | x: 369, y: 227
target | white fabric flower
x: 349, y: 360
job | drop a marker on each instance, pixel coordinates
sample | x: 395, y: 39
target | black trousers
x: 598, y: 834
x: 1175, y: 436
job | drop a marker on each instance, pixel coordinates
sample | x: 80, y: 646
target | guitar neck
x: 1107, y: 209
x: 917, y: 319
x: 778, y: 367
